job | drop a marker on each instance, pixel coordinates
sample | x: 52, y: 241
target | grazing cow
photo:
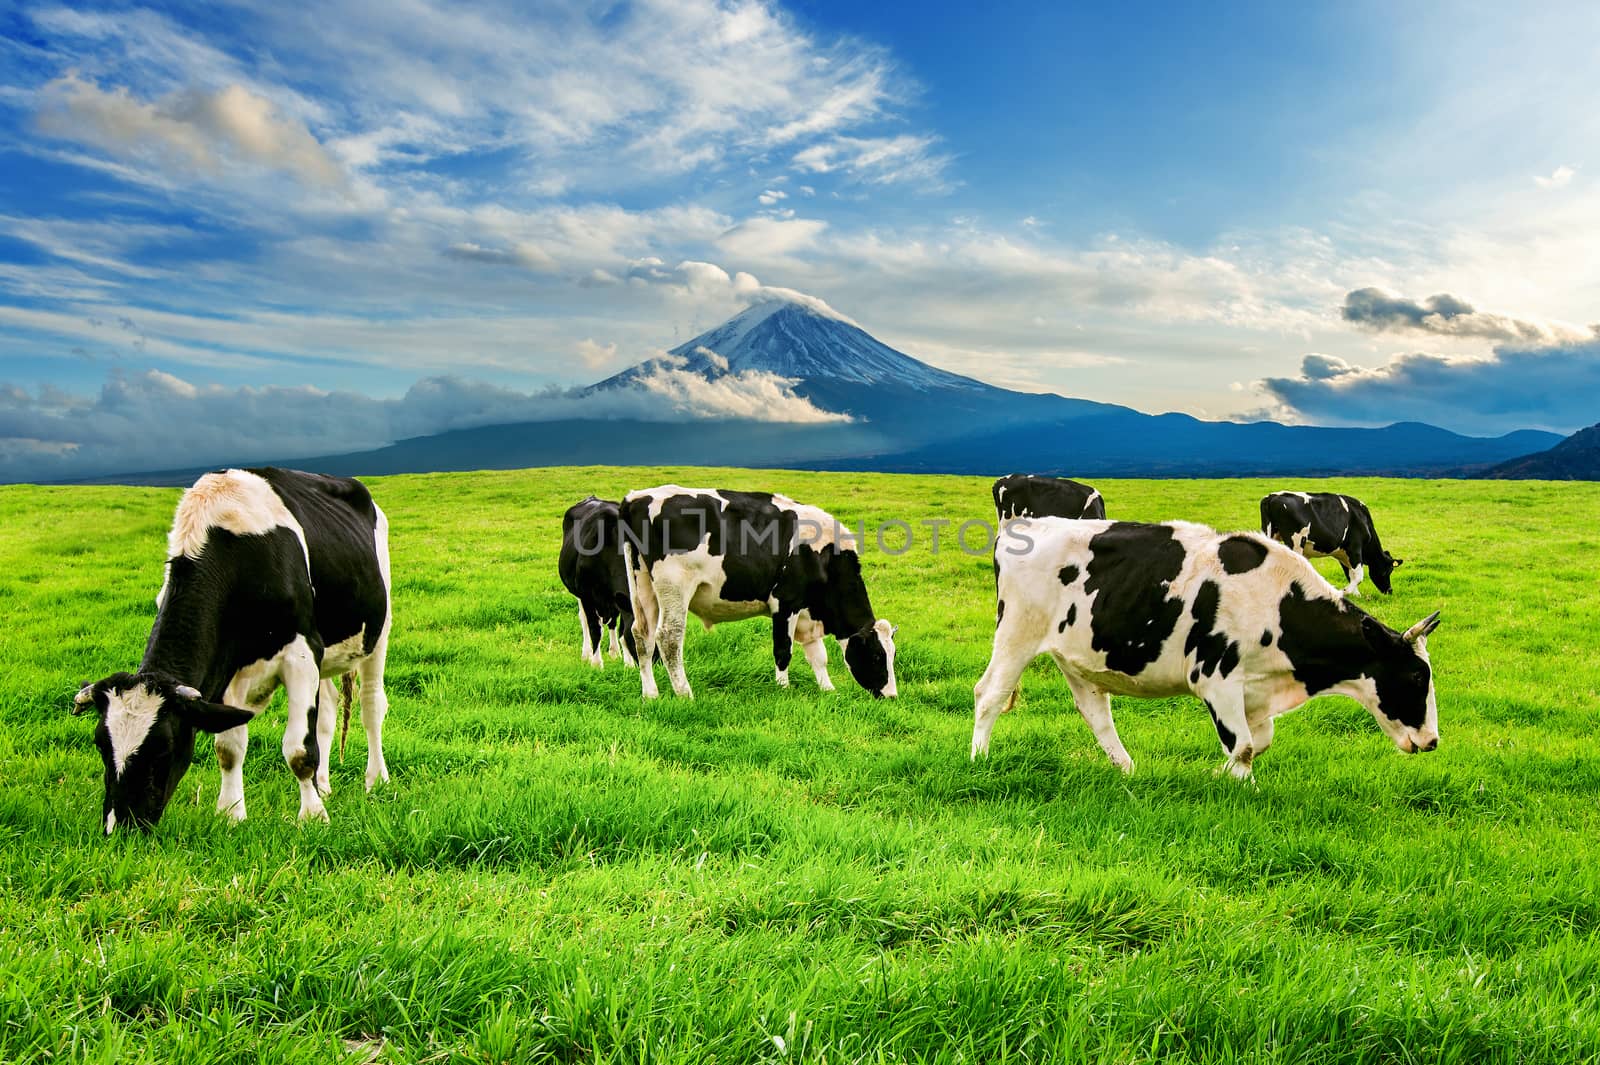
x: 1156, y: 610
x: 272, y: 577
x: 1022, y: 495
x: 1326, y: 524
x: 727, y: 556
x: 592, y: 570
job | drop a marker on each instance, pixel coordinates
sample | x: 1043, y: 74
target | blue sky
x: 241, y: 218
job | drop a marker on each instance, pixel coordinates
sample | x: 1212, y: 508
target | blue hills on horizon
x: 907, y: 416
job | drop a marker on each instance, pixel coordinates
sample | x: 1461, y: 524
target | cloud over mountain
x: 1517, y: 386
x: 154, y: 420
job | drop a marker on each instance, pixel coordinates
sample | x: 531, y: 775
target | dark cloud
x: 1444, y: 315
x: 154, y: 421
x: 1553, y: 387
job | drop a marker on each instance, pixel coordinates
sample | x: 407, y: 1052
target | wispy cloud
x: 906, y: 158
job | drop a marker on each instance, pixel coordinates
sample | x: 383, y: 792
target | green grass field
x: 561, y: 871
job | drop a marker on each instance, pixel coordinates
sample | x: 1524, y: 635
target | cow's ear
x: 83, y: 700
x: 1422, y: 628
x: 1396, y: 562
x: 207, y: 717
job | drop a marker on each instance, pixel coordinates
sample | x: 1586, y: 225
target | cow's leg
x: 301, y: 681
x: 783, y: 625
x: 630, y: 649
x: 327, y: 720
x: 583, y: 624
x: 593, y: 636
x: 646, y: 626
x: 673, y: 604
x: 231, y: 746
x: 1094, y: 705
x: 1354, y: 576
x: 995, y: 688
x: 1226, y: 702
x: 614, y: 644
x: 817, y: 656
x: 374, y: 708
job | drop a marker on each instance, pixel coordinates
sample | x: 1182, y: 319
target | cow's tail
x: 1266, y: 515
x: 347, y: 695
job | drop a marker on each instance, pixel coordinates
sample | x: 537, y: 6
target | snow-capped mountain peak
x: 796, y: 336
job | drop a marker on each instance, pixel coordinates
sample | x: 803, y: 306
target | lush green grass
x: 562, y: 871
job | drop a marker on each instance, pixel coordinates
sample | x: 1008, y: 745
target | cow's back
x: 1020, y: 495
x: 339, y: 521
x: 1129, y: 606
x: 590, y: 547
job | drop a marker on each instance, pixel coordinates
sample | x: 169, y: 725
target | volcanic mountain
x: 803, y: 340
x: 880, y: 409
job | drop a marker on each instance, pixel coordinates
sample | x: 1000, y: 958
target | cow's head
x: 1401, y: 696
x: 870, y: 656
x: 1381, y: 568
x: 146, y: 740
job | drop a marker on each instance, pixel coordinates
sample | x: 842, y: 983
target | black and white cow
x: 1157, y: 610
x: 1329, y: 525
x: 272, y: 577
x: 727, y: 556
x: 591, y: 568
x: 1023, y: 495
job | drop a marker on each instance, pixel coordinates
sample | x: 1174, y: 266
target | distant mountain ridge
x: 905, y: 415
x: 1577, y: 458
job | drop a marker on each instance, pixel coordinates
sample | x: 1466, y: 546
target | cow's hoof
x: 1235, y: 769
x: 783, y: 679
x: 1126, y: 767
x: 233, y: 813
x: 324, y: 787
x: 318, y: 812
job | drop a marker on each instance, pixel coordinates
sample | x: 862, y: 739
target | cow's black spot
x: 1130, y: 568
x: 1072, y: 614
x: 1194, y: 675
x: 1266, y: 639
x: 1212, y: 650
x: 1000, y: 612
x: 1069, y: 574
x: 1240, y: 554
x: 1224, y: 733
x: 1063, y: 626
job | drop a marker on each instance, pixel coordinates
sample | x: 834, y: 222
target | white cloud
x: 595, y: 355
x: 766, y: 239
x: 1559, y: 178
x: 193, y: 129
x: 771, y: 197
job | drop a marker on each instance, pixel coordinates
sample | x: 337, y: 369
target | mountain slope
x: 1577, y: 458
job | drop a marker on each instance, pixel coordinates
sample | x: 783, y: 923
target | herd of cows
x: 281, y: 578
